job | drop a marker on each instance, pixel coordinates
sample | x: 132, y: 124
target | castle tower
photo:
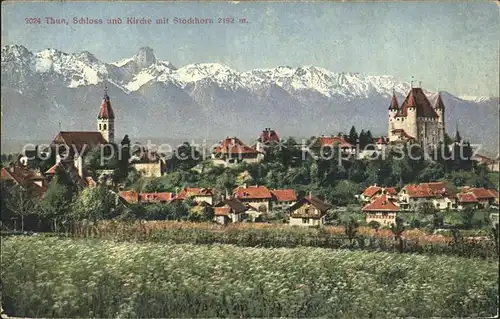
x: 393, y: 110
x: 411, y: 124
x: 106, y: 119
x: 439, y: 108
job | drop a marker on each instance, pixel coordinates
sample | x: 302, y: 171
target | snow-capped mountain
x: 152, y: 97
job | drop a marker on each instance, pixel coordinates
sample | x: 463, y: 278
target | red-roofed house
x: 372, y: 192
x: 197, y: 194
x: 232, y: 150
x: 466, y: 200
x: 259, y: 197
x: 132, y: 197
x: 485, y: 197
x: 382, y: 210
x: 267, y: 138
x: 283, y: 198
x: 323, y: 143
x: 25, y: 178
x: 229, y: 210
x: 437, y: 193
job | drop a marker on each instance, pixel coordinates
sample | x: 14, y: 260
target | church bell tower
x: 106, y: 119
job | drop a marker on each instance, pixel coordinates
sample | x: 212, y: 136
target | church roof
x: 106, y: 111
x: 79, y: 140
x: 416, y: 98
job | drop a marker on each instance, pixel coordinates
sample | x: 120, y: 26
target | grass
x: 54, y: 277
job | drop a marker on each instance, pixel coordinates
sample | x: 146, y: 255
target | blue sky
x: 448, y: 46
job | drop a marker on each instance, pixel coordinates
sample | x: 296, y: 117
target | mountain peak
x: 145, y: 57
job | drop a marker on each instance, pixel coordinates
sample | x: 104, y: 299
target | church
x: 78, y: 143
x: 416, y: 120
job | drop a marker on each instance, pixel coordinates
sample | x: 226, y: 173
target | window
x: 100, y: 128
x: 104, y: 126
x: 305, y: 220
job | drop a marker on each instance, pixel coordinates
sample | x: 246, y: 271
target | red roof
x: 419, y: 191
x: 403, y: 133
x: 269, y: 135
x: 391, y: 191
x: 77, y: 140
x: 466, y: 198
x: 106, y: 111
x: 252, y: 192
x: 481, y: 193
x: 129, y: 196
x: 194, y: 191
x: 371, y: 190
x: 382, y: 203
x: 494, y: 192
x: 416, y: 98
x: 334, y: 141
x: 222, y: 211
x: 233, y: 145
x: 381, y: 140
x: 284, y: 195
x: 156, y: 197
x: 394, y: 103
x: 25, y: 178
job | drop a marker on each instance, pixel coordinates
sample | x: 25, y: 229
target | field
x: 55, y: 277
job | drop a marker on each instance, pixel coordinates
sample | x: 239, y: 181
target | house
x: 132, y: 197
x: 232, y: 151
x: 67, y: 170
x: 465, y: 200
x: 492, y: 164
x: 373, y: 191
x: 308, y: 211
x: 259, y: 197
x: 229, y: 210
x: 197, y: 194
x: 25, y: 178
x: 148, y: 163
x: 268, y: 138
x: 324, y: 144
x: 437, y: 193
x: 283, y: 198
x: 485, y: 197
x: 383, y: 210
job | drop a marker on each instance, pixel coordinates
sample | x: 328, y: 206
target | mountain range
x: 47, y: 91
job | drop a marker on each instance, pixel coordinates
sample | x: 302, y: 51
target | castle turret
x: 393, y: 110
x: 106, y: 119
x: 439, y: 108
x: 411, y: 117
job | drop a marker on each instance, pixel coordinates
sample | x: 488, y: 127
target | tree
x: 353, y: 136
x: 95, y: 203
x: 374, y: 224
x: 351, y: 229
x: 55, y: 205
x: 21, y: 203
x: 397, y: 230
x: 154, y: 186
x: 468, y: 216
x: 244, y: 178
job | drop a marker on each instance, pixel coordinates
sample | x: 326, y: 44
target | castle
x: 416, y: 120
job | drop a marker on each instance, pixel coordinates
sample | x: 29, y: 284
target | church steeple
x: 106, y: 118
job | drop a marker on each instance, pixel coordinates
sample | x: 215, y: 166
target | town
x: 303, y: 184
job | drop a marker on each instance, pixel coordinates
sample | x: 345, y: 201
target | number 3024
x: 33, y: 20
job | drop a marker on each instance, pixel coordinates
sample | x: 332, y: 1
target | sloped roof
x: 481, y: 193
x: 333, y: 141
x: 131, y: 197
x: 312, y: 200
x: 106, y: 111
x: 416, y: 98
x: 234, y: 204
x: 222, y: 211
x: 402, y: 132
x: 418, y: 191
x: 269, y: 135
x: 25, y: 178
x: 394, y: 103
x: 382, y: 204
x: 252, y: 192
x: 233, y: 145
x: 466, y: 198
x: 79, y: 140
x: 284, y: 195
x: 371, y: 190
x: 156, y: 197
x: 391, y: 191
x: 194, y: 191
